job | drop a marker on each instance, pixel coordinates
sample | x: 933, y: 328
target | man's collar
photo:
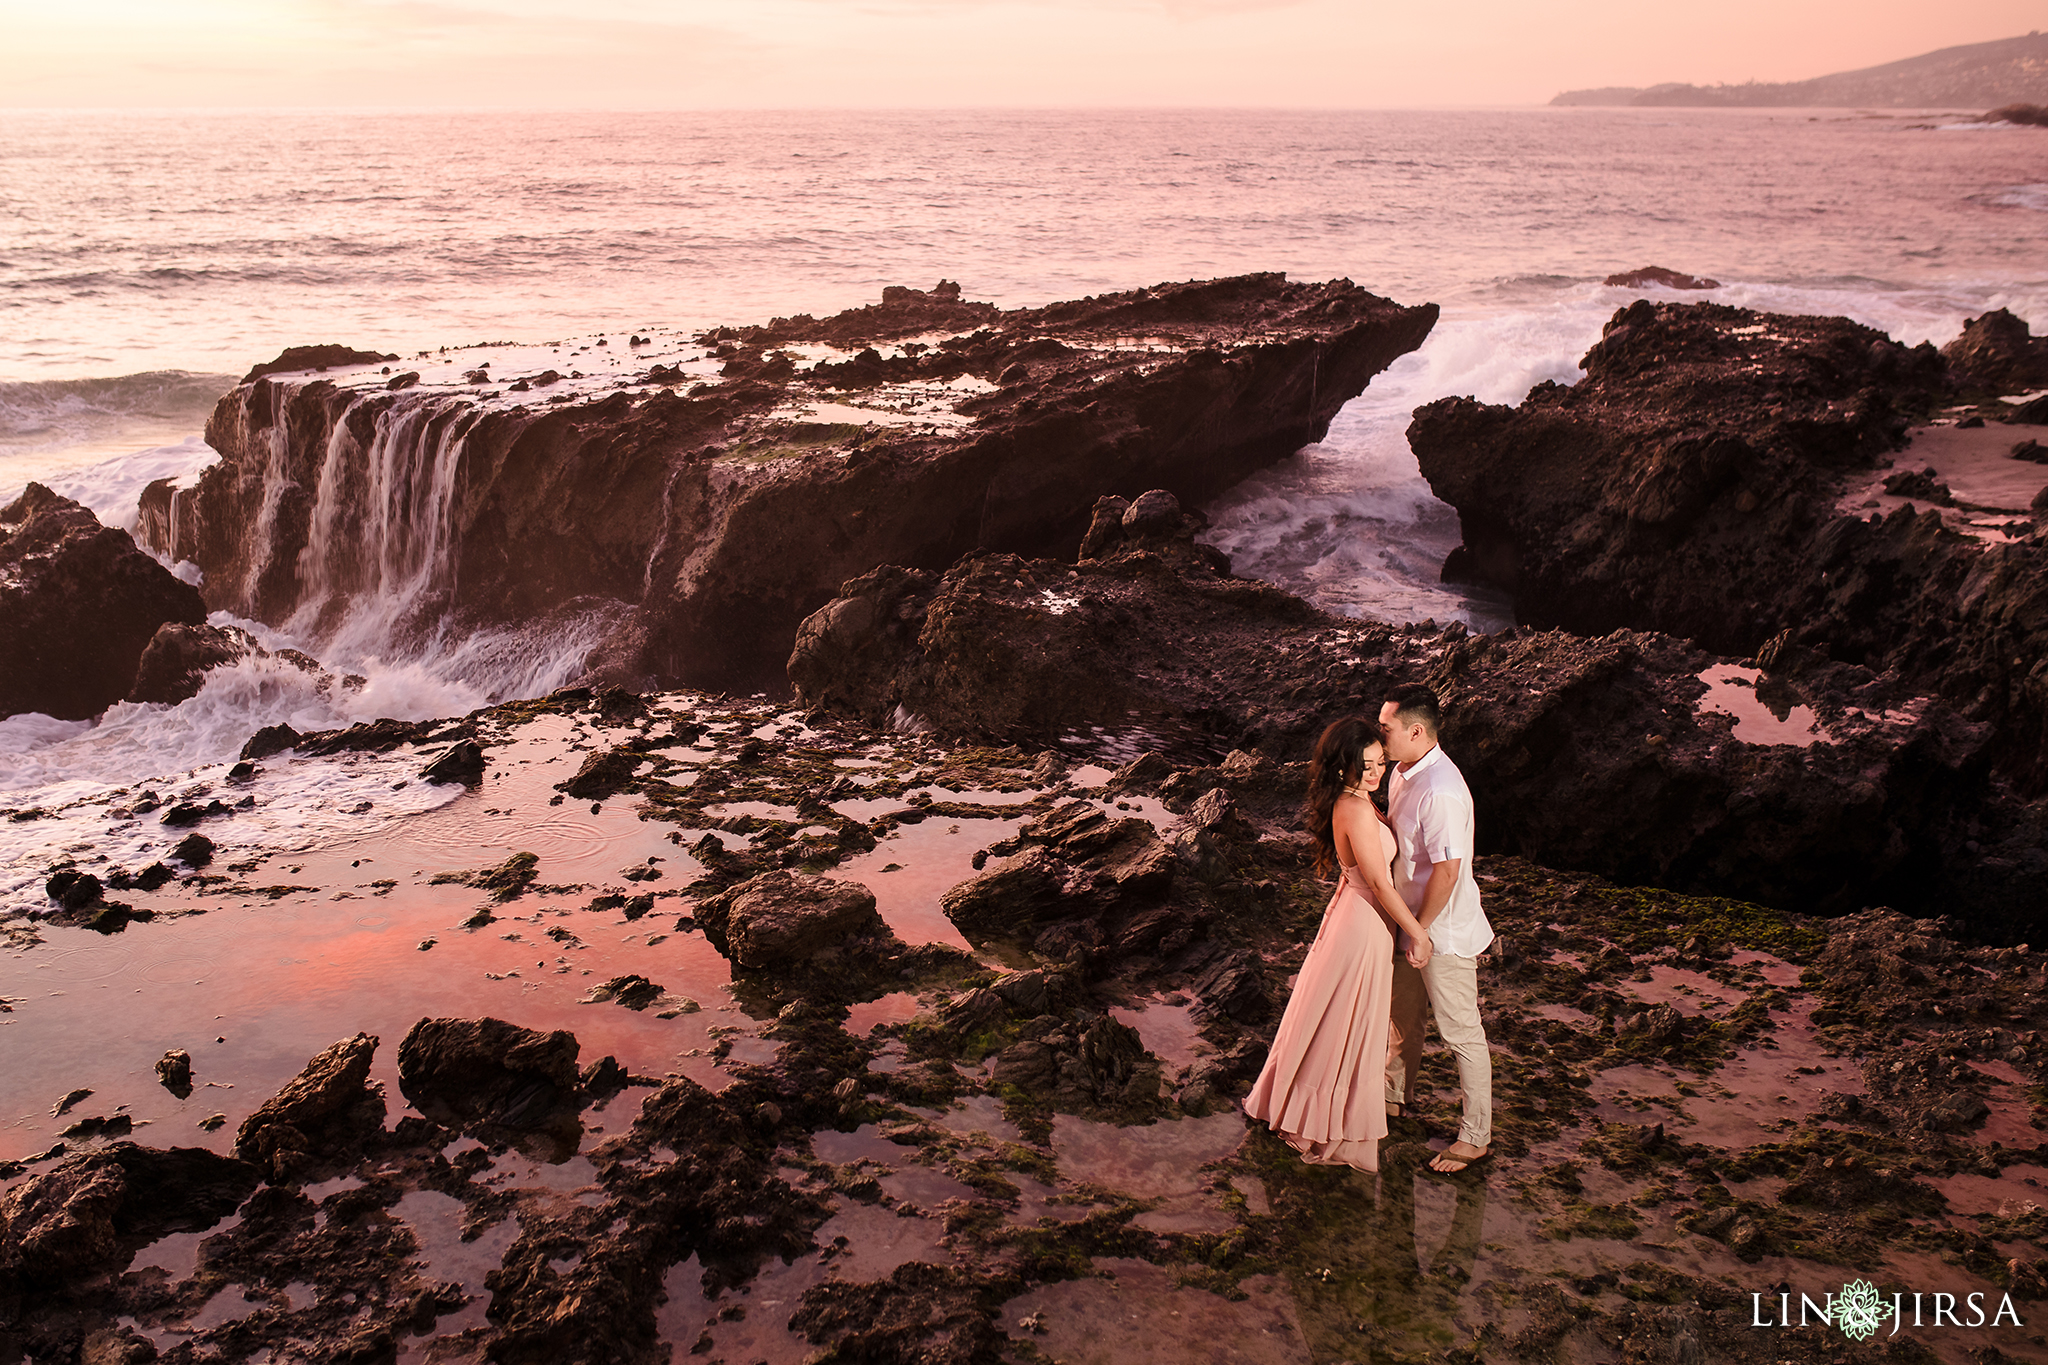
x: 1419, y: 764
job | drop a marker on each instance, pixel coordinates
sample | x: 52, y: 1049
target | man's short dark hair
x: 1417, y: 703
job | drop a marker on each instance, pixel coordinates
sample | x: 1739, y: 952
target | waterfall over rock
x: 678, y: 535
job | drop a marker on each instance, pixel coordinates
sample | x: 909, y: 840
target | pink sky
x: 940, y: 53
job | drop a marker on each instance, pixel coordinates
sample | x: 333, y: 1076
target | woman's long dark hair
x: 1339, y: 761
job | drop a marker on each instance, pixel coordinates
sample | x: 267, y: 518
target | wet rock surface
x: 79, y: 606
x: 178, y: 656
x: 1635, y: 755
x: 471, y: 1073
x: 696, y: 509
x: 325, y: 1113
x: 780, y: 919
x: 1997, y: 354
x: 1697, y: 1099
x: 1694, y: 483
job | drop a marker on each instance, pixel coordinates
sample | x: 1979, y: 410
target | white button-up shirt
x: 1430, y: 808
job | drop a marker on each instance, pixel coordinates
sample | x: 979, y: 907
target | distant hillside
x: 1975, y: 76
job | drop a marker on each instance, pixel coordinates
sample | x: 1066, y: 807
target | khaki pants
x: 1450, y: 986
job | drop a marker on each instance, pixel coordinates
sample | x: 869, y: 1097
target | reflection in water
x: 1135, y: 1314
x: 1732, y: 690
x: 917, y: 864
x: 1362, y: 1261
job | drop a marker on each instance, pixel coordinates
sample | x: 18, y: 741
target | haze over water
x: 146, y: 259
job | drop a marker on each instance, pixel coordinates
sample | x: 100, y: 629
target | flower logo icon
x: 1858, y: 1310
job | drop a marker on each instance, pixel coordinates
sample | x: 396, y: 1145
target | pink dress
x: 1324, y: 1087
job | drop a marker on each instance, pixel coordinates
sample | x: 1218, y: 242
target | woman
x: 1323, y: 1089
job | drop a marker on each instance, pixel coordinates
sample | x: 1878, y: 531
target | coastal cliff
x: 1633, y: 755
x: 695, y: 498
x: 1727, y: 477
x: 79, y: 604
x: 1973, y: 76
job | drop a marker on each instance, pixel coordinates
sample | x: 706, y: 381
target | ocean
x: 149, y: 258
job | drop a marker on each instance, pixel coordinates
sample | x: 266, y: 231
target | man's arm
x: 1442, y: 879
x: 1436, y: 831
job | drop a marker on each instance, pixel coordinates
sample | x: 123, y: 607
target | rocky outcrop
x: 79, y: 604
x: 1695, y: 483
x: 88, y: 1216
x: 316, y: 358
x: 327, y: 1110
x: 176, y: 661
x: 486, y: 1073
x: 720, y: 515
x: 1683, y: 479
x: 1147, y: 629
x: 1622, y: 754
x: 1657, y: 274
x: 782, y: 920
x: 1076, y: 862
x: 1997, y: 354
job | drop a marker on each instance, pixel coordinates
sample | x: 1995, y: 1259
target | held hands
x: 1417, y: 952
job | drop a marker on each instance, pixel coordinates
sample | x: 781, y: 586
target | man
x: 1430, y: 808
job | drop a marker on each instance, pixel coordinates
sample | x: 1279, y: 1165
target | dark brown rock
x: 296, y: 358
x: 1591, y: 754
x: 271, y: 739
x: 116, y: 1346
x: 782, y: 919
x: 1011, y: 650
x: 724, y: 525
x: 174, y: 1070
x: 87, y: 1216
x: 178, y: 656
x: 486, y: 1072
x: 1692, y: 484
x: 602, y: 775
x: 1075, y: 862
x: 1657, y: 274
x: 1100, y: 1069
x: 1997, y: 354
x: 462, y: 763
x: 79, y: 604
x: 325, y: 1111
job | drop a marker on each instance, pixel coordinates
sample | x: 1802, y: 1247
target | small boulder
x: 174, y: 1069
x: 194, y: 850
x: 175, y: 662
x: 326, y: 1109
x: 1996, y: 353
x: 463, y: 763
x: 471, y: 1072
x: 778, y: 919
x: 271, y: 739
x: 74, y: 890
x: 635, y: 992
x: 602, y: 775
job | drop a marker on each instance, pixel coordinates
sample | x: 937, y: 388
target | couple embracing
x: 1404, y: 928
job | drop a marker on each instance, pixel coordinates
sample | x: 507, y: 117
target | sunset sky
x: 940, y: 53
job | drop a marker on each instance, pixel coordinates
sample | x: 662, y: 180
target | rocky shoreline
x: 1700, y: 1098
x: 715, y: 489
x: 906, y: 1021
